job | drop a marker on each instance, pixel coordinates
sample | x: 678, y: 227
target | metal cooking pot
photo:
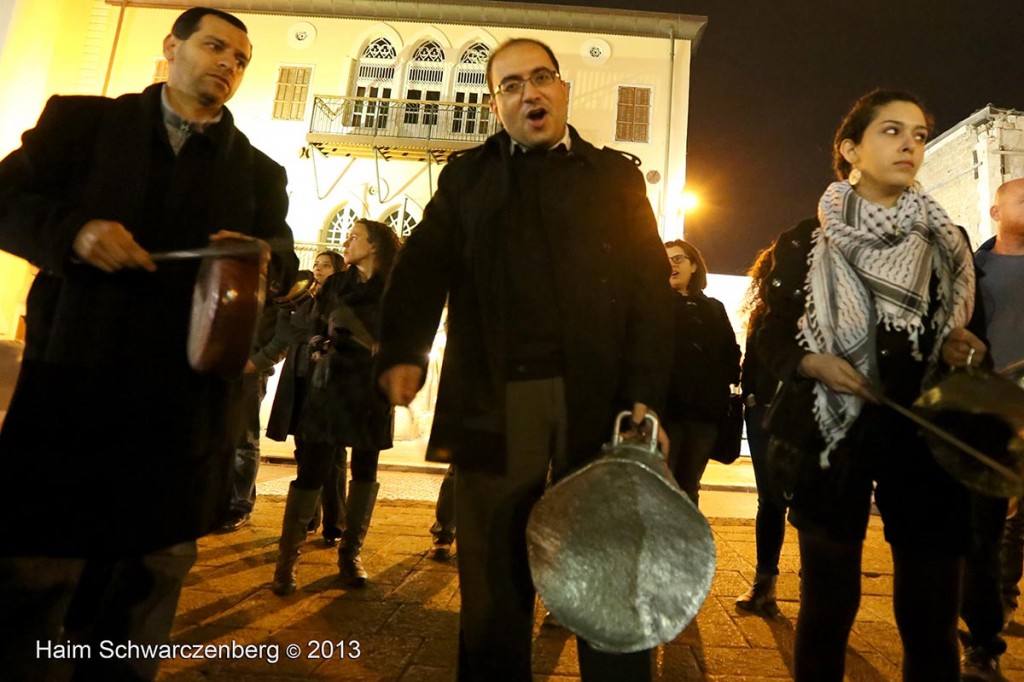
x: 618, y: 552
x: 985, y: 411
x: 226, y: 304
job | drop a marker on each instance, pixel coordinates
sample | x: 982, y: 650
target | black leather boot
x: 298, y: 510
x: 760, y: 598
x: 362, y: 495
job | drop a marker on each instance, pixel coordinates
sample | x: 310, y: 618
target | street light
x: 679, y: 206
x: 689, y: 202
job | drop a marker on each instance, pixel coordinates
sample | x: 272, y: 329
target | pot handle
x: 626, y: 414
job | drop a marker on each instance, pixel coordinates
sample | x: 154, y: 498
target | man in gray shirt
x: 1000, y: 266
x: 1001, y: 259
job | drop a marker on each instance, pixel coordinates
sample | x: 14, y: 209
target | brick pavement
x: 405, y: 621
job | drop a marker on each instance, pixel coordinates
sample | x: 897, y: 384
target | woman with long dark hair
x: 295, y: 324
x: 343, y: 409
x: 877, y: 300
x: 705, y: 362
x: 759, y: 386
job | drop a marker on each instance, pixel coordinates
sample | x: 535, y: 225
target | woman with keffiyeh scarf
x: 873, y: 297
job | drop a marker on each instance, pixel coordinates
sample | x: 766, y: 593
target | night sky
x: 771, y: 81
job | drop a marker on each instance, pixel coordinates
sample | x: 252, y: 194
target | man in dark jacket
x: 548, y: 253
x: 1000, y: 266
x: 116, y: 451
x: 268, y: 350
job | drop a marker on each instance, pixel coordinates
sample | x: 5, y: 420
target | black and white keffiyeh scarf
x: 868, y: 265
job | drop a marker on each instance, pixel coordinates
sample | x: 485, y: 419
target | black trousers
x: 770, y: 523
x: 497, y: 615
x: 49, y: 601
x: 982, y: 607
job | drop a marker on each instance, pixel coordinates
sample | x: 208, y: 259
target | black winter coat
x: 296, y: 327
x: 706, y: 360
x: 758, y: 382
x: 609, y: 288
x: 113, y: 444
x: 344, y: 406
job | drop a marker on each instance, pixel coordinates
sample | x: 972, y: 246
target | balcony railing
x: 398, y: 124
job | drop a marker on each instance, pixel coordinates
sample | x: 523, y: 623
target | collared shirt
x: 566, y: 142
x: 179, y: 129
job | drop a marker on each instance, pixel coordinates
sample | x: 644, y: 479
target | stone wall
x: 964, y: 166
x: 950, y: 176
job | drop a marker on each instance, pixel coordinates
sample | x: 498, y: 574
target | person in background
x: 759, y: 386
x: 878, y: 301
x: 1011, y: 560
x: 295, y: 324
x: 343, y: 407
x: 443, y: 529
x: 547, y: 251
x: 113, y: 443
x: 268, y: 349
x: 1000, y: 265
x: 706, y: 360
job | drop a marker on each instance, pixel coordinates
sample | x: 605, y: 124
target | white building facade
x: 363, y: 101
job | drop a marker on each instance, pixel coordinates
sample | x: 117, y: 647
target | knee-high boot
x: 362, y: 495
x: 314, y: 520
x: 298, y: 510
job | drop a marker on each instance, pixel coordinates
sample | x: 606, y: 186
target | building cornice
x: 519, y: 15
x: 978, y: 118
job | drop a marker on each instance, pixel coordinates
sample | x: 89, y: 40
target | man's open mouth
x: 537, y: 114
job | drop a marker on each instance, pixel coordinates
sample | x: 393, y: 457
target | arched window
x: 427, y: 54
x: 473, y: 115
x: 401, y: 221
x: 423, y: 82
x: 336, y: 229
x: 474, y: 61
x: 381, y: 49
x: 375, y: 79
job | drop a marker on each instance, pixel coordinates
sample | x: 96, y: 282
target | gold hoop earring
x: 854, y: 177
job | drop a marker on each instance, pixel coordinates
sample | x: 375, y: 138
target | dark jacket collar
x: 221, y: 133
x: 501, y: 144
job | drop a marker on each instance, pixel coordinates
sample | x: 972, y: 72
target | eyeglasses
x: 676, y: 260
x: 541, y: 78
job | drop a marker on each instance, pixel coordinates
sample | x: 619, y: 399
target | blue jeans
x: 247, y: 452
x: 443, y: 529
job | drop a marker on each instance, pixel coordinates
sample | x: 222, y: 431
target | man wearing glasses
x: 548, y: 253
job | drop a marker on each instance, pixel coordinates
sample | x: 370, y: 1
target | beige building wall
x: 56, y: 46
x: 965, y: 165
x: 65, y: 46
